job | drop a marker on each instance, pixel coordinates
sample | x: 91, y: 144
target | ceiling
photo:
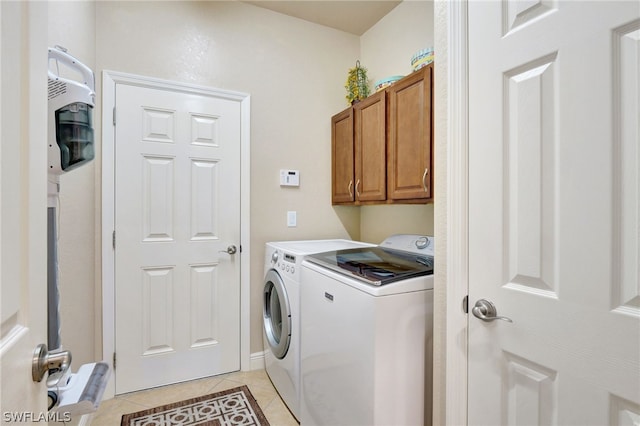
x: 352, y: 16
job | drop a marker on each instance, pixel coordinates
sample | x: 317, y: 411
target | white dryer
x: 281, y: 311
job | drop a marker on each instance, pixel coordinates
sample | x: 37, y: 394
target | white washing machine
x: 281, y: 311
x: 366, y: 324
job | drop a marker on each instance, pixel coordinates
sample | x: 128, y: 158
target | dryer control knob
x: 274, y: 257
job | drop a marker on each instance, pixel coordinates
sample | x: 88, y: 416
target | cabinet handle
x: 424, y: 183
x: 350, y: 185
x: 357, y: 192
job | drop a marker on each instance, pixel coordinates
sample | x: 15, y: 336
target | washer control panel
x: 418, y: 244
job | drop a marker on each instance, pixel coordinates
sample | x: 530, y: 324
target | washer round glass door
x: 276, y: 314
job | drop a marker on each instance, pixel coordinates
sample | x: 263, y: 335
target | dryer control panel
x: 284, y: 262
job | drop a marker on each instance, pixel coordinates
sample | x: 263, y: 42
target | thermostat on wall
x: 289, y: 178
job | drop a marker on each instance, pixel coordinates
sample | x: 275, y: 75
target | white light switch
x: 291, y: 219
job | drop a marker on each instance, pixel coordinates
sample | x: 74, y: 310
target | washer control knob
x: 274, y: 257
x: 422, y: 243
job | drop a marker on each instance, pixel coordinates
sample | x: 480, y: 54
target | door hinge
x: 114, y: 116
x: 114, y: 360
x: 240, y: 248
x: 465, y: 304
x: 113, y: 239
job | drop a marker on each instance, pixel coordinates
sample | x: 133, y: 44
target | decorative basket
x: 422, y: 58
x: 386, y: 82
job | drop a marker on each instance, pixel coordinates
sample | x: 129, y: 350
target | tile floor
x: 111, y: 411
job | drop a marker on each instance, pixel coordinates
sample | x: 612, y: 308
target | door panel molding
x: 529, y: 204
x: 625, y: 297
x: 110, y: 79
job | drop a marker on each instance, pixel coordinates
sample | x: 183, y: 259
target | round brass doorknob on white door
x: 486, y: 311
x: 230, y: 250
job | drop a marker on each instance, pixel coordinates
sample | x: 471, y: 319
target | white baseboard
x: 257, y: 361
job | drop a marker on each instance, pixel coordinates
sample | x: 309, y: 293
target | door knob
x: 486, y: 311
x: 43, y: 361
x: 230, y: 250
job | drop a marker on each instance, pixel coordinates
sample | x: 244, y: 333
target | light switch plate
x: 292, y: 219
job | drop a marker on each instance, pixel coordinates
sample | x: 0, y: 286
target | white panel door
x: 177, y: 211
x: 23, y: 209
x: 554, y: 212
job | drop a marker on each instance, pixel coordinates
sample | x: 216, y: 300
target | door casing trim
x: 109, y: 81
x: 452, y: 213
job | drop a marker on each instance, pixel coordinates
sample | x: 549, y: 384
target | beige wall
x: 386, y: 50
x: 295, y: 83
x: 387, y: 47
x: 294, y: 71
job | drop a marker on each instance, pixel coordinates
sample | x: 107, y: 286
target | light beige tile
x: 173, y: 393
x: 226, y: 384
x: 111, y: 411
x: 263, y: 395
x: 256, y: 378
x: 278, y: 414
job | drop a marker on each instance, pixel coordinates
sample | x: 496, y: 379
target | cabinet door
x: 410, y: 137
x: 371, y: 148
x: 342, y: 152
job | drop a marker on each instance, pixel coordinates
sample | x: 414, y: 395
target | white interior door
x: 23, y: 207
x: 177, y: 196
x: 554, y: 212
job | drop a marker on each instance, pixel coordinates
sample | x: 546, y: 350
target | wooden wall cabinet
x: 342, y: 158
x: 370, y: 148
x: 382, y: 146
x: 409, y: 140
x: 359, y: 158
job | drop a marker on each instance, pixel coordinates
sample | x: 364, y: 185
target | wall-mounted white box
x: 289, y: 178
